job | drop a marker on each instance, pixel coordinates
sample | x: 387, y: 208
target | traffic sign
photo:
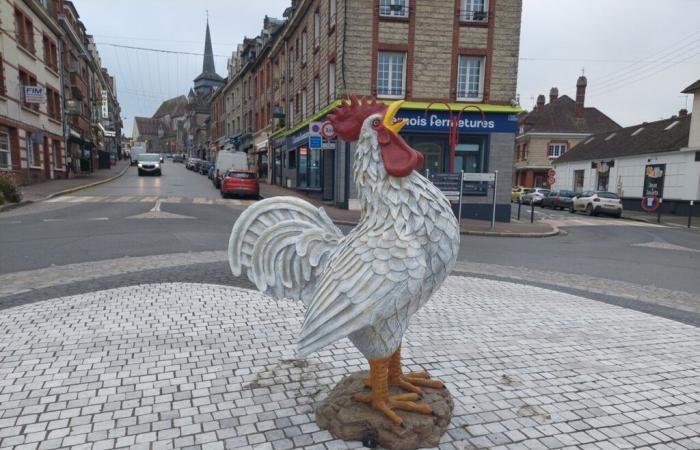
x: 551, y: 173
x: 551, y: 180
x: 315, y: 142
x: 478, y: 177
x: 315, y: 129
x: 327, y: 130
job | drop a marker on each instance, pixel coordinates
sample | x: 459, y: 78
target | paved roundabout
x: 175, y: 365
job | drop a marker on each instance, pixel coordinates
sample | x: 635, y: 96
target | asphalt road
x: 125, y: 218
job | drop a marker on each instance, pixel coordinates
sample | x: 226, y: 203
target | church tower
x: 208, y: 80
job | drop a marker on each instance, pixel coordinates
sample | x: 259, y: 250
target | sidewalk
x: 666, y: 219
x: 469, y: 226
x: 52, y: 188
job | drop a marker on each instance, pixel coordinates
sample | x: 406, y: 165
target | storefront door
x: 470, y: 155
x: 433, y: 147
x: 309, y: 174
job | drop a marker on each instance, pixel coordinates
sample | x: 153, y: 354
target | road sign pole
x: 459, y: 208
x: 520, y: 203
x: 532, y: 211
x: 690, y: 213
x: 658, y: 214
x: 495, y: 188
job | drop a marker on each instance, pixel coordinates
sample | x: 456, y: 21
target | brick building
x: 448, y: 60
x: 31, y: 112
x: 550, y: 130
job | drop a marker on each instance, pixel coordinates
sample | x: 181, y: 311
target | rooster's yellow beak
x: 389, y: 118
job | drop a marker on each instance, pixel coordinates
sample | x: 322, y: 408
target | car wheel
x: 572, y: 210
x: 589, y: 209
x: 140, y: 173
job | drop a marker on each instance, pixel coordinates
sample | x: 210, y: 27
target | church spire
x: 208, y: 65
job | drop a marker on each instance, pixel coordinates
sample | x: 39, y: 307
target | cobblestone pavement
x: 203, y: 366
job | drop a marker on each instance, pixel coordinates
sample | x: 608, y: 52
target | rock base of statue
x: 350, y: 420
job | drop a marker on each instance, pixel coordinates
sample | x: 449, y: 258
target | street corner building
x: 453, y: 62
x: 59, y: 116
x: 643, y: 164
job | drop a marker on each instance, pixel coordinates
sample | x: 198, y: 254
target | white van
x: 226, y: 160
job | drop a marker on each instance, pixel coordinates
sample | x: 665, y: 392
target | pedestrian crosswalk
x: 148, y: 199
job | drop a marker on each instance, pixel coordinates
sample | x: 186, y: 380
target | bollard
x: 658, y: 212
x: 520, y: 203
x: 532, y: 211
x: 690, y: 213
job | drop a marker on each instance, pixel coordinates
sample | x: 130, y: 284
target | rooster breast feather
x: 283, y: 244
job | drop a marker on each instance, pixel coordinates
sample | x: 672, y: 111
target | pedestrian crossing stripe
x: 149, y: 199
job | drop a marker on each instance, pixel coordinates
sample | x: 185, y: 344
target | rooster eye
x: 375, y: 123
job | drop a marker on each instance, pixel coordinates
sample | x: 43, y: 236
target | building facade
x: 656, y: 159
x: 550, y: 130
x: 32, y: 144
x: 455, y: 64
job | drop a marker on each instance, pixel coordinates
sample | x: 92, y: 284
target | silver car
x: 535, y: 196
x: 149, y: 164
x: 594, y: 203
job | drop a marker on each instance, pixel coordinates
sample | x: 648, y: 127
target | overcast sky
x: 637, y: 54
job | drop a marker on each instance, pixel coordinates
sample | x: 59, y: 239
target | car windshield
x: 566, y: 194
x: 241, y: 175
x: 149, y: 157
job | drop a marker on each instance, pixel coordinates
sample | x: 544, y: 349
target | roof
x: 559, y: 116
x: 176, y: 106
x: 692, y: 88
x: 147, y: 126
x: 645, y: 138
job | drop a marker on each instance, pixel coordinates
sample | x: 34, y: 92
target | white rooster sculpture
x: 364, y: 286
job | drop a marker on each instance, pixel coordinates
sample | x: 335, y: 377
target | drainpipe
x: 64, y: 115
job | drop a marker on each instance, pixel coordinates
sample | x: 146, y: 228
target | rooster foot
x: 387, y: 404
x: 410, y: 382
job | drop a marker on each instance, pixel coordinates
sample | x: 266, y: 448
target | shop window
x: 317, y: 28
x: 474, y: 10
x: 292, y: 159
x: 432, y: 147
x: 33, y: 151
x: 393, y: 8
x: 556, y: 150
x: 304, y: 46
x: 5, y: 151
x: 578, y: 181
x: 470, y: 78
x: 309, y: 174
x: 50, y: 53
x: 391, y: 74
x: 303, y: 104
x: 470, y: 157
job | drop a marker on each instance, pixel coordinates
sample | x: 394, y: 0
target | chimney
x: 540, y: 101
x: 580, y: 95
x: 683, y: 113
x: 553, y: 94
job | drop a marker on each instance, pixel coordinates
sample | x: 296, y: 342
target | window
x: 5, y: 160
x: 53, y: 103
x: 304, y: 47
x: 50, y: 53
x: 603, y: 180
x: 317, y: 94
x: 475, y: 10
x: 24, y: 30
x: 393, y: 8
x: 470, y: 78
x: 56, y: 152
x: 391, y: 74
x: 27, y: 79
x: 33, y: 151
x: 317, y: 28
x: 556, y: 150
x: 303, y: 104
x: 332, y: 7
x: 331, y: 82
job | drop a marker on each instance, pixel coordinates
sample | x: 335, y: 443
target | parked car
x: 191, y: 163
x: 203, y: 167
x: 518, y: 192
x: 596, y: 202
x: 240, y: 183
x: 558, y: 199
x: 535, y: 196
x: 162, y: 158
x: 149, y: 164
x: 178, y: 158
x: 210, y: 174
x: 226, y: 160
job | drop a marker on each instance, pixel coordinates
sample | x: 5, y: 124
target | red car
x: 240, y: 183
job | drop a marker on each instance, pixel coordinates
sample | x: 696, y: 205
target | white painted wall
x: 682, y: 181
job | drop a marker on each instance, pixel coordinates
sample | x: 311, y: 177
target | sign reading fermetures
x: 654, y: 175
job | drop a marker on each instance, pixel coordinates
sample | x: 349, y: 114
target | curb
x: 555, y: 231
x: 11, y: 206
x: 86, y: 186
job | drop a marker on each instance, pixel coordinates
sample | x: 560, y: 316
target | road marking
x: 666, y: 246
x: 53, y: 220
x: 124, y: 199
x: 173, y: 200
x: 99, y: 218
x: 148, y: 199
x: 156, y: 207
x: 12, y: 222
x: 202, y: 200
x: 86, y: 199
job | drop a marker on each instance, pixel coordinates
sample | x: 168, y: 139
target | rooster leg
x: 409, y: 381
x: 380, y: 398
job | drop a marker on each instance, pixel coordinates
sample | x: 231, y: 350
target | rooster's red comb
x: 347, y: 119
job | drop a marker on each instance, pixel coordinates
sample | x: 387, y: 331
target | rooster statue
x: 364, y: 286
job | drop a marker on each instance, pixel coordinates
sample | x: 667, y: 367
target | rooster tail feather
x: 283, y: 244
